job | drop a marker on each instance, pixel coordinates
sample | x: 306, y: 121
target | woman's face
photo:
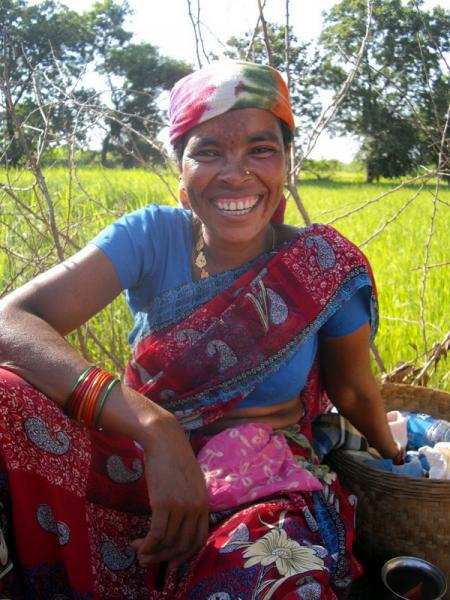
x: 233, y: 171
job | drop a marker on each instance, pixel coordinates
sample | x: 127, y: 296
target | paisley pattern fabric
x: 72, y: 499
x: 209, y: 352
x: 60, y: 542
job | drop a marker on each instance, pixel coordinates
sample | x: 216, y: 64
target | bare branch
x: 393, y: 218
x: 196, y: 34
x: 381, y: 196
x: 265, y: 33
x: 248, y: 54
x: 442, y: 159
x: 442, y: 264
x: 330, y: 111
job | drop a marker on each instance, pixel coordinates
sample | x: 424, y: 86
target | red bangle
x: 399, y: 458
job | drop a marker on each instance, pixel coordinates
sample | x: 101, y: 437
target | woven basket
x: 400, y: 515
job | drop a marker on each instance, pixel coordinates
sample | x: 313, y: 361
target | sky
x: 167, y: 25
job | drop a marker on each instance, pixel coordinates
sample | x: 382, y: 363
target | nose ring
x: 247, y: 172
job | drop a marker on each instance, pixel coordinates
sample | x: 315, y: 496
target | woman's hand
x: 33, y: 321
x: 175, y: 482
x: 178, y: 498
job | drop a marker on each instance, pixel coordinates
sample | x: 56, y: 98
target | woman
x: 211, y: 431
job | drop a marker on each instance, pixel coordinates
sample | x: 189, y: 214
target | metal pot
x: 404, y: 574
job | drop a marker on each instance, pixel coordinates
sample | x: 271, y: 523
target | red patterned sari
x: 72, y: 499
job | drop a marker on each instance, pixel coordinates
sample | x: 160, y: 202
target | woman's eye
x: 206, y: 153
x: 264, y: 150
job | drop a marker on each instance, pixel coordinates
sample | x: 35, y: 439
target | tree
x: 398, y: 101
x: 46, y: 51
x: 302, y: 72
x: 46, y: 47
x: 136, y: 118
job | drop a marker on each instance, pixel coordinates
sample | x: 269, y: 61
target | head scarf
x: 223, y: 86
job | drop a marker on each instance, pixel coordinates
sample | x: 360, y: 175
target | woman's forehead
x: 246, y: 124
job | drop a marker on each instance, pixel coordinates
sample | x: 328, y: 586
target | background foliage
x: 384, y: 64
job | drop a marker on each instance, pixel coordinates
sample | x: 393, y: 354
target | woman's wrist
x: 130, y: 413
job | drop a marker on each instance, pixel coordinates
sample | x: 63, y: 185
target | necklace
x: 200, y: 259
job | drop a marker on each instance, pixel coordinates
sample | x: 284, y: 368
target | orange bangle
x: 92, y: 397
x: 82, y: 395
x: 76, y: 395
x: 88, y: 395
x: 87, y: 408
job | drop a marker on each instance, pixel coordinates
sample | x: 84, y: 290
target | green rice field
x: 397, y: 230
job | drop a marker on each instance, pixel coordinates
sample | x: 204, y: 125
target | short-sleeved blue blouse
x: 151, y: 252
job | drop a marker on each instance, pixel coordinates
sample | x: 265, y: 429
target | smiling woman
x: 233, y: 170
x: 196, y: 478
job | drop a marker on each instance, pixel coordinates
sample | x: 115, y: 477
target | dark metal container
x: 420, y: 578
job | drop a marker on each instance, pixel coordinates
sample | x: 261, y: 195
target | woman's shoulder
x: 157, y: 213
x: 286, y: 233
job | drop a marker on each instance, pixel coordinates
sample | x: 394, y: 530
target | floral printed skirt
x: 71, y: 500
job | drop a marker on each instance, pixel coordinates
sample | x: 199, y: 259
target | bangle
x: 101, y: 402
x: 78, y: 382
x: 399, y: 458
x: 88, y: 395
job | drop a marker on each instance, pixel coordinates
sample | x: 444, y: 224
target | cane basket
x: 399, y: 515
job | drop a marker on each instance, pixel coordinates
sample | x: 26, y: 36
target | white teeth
x: 238, y: 207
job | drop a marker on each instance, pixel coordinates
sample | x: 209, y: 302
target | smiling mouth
x: 237, y: 206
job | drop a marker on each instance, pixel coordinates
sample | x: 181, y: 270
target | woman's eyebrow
x: 200, y: 142
x: 264, y: 136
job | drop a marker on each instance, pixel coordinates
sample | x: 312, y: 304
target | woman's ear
x: 183, y: 198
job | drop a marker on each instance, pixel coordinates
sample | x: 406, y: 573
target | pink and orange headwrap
x: 223, y: 86
x: 228, y: 85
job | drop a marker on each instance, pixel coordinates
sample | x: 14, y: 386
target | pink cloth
x: 250, y: 461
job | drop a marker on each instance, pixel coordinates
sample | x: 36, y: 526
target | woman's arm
x: 33, y: 321
x: 352, y: 388
x: 35, y: 317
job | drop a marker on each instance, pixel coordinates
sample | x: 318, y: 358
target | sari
x: 72, y: 499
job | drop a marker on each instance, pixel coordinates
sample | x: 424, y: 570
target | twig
x: 200, y: 35
x: 330, y: 111
x: 430, y: 35
x: 31, y: 158
x: 442, y: 158
x: 252, y: 40
x: 194, y: 27
x: 265, y: 33
x: 393, y: 218
x: 380, y: 197
x: 442, y: 264
x: 377, y: 357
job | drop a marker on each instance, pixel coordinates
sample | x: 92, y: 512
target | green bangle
x: 78, y: 382
x: 101, y: 401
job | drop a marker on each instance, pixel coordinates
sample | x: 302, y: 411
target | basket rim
x: 367, y: 471
x: 414, y: 389
x: 387, y: 475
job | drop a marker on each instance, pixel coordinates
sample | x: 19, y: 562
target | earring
x: 247, y: 172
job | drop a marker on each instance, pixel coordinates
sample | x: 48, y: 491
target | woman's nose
x: 234, y: 172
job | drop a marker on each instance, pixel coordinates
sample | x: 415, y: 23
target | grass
x: 98, y: 196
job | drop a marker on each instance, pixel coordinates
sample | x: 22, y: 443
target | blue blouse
x: 151, y: 252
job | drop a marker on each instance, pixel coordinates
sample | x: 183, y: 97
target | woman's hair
x: 178, y: 150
